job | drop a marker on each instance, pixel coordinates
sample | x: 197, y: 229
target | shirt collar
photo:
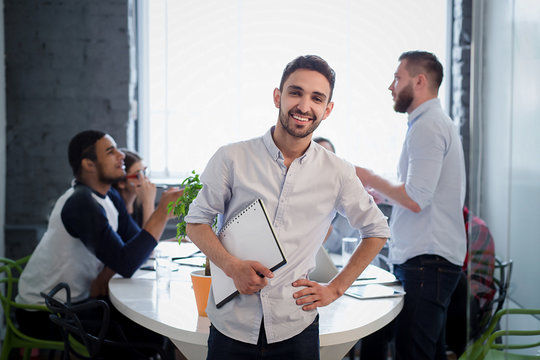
x: 270, y: 145
x: 416, y: 113
x: 274, y: 151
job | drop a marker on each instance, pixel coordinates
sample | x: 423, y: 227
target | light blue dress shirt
x: 432, y: 167
x: 301, y: 203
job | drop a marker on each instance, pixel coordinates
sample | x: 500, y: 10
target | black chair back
x: 86, y: 336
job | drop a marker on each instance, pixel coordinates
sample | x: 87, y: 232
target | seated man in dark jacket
x: 90, y: 234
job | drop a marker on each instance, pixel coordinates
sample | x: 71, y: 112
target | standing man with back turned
x: 276, y: 314
x: 428, y: 233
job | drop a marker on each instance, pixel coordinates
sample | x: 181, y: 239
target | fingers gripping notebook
x: 247, y: 236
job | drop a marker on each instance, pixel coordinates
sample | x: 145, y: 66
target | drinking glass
x: 348, y: 245
x: 163, y: 267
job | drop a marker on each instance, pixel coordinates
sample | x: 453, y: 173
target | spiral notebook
x: 248, y: 236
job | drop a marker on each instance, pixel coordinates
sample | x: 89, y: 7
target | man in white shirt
x: 276, y: 313
x: 428, y: 243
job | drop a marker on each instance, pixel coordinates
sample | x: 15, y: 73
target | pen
x: 195, y: 254
x: 151, y: 268
x: 186, y: 264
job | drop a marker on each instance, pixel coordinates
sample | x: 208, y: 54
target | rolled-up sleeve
x: 426, y: 154
x: 361, y: 210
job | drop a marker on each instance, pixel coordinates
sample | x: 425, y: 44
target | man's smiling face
x: 303, y: 102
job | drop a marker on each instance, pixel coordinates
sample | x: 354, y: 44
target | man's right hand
x: 249, y: 276
x: 157, y: 221
x: 171, y: 194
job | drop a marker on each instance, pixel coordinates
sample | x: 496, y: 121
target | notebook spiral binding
x: 237, y: 216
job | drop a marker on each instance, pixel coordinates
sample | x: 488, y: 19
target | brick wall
x: 67, y: 69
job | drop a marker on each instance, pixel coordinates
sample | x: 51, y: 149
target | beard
x: 404, y: 99
x: 106, y: 178
x: 292, y: 129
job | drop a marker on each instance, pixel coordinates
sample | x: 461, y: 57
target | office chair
x: 502, y: 281
x: 10, y: 271
x: 88, y: 339
x: 489, y: 345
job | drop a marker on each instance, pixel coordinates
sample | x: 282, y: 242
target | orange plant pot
x: 201, y: 287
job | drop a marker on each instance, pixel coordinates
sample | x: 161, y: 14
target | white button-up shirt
x: 432, y: 167
x: 301, y: 202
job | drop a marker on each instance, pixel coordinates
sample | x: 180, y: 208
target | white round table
x: 171, y: 311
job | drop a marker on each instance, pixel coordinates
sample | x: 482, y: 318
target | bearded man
x: 90, y: 236
x: 428, y: 232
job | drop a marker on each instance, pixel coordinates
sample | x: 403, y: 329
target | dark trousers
x: 429, y: 281
x: 304, y: 346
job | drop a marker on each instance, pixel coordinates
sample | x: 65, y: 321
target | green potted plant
x: 200, y: 278
x: 180, y: 208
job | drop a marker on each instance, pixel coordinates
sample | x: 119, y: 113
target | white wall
x: 511, y: 148
x: 524, y: 245
x: 494, y: 114
x: 508, y: 111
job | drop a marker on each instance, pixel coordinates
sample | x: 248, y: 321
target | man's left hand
x: 100, y: 285
x: 314, y: 295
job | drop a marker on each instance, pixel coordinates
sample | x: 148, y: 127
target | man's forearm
x: 395, y: 192
x: 362, y: 256
x: 206, y: 240
x: 156, y: 223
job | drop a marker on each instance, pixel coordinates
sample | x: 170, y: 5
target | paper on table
x: 373, y: 291
x: 247, y: 236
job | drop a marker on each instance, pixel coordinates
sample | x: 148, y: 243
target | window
x: 208, y: 70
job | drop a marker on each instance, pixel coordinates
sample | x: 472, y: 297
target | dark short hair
x: 83, y: 146
x: 320, y: 139
x: 310, y: 62
x: 424, y: 62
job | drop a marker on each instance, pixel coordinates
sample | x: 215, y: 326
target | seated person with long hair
x: 138, y: 192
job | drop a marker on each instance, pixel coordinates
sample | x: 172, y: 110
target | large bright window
x: 208, y: 69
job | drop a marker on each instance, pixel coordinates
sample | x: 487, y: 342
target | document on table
x: 247, y: 236
x: 373, y: 291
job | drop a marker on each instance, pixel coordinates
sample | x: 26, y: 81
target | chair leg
x: 6, y: 346
x: 52, y: 354
x: 6, y: 349
x: 27, y: 353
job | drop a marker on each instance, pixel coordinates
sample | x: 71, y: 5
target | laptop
x: 325, y: 269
